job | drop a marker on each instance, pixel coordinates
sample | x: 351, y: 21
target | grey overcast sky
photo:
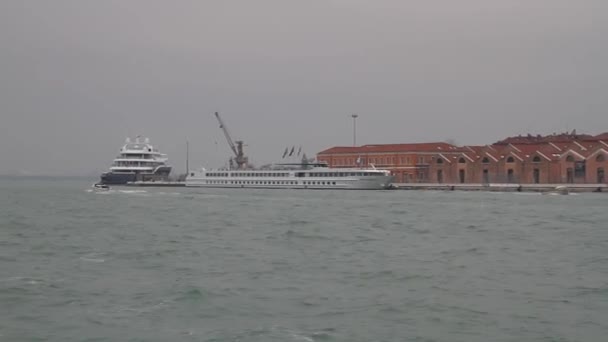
x: 77, y: 77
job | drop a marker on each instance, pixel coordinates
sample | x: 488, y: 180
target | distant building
x: 555, y: 159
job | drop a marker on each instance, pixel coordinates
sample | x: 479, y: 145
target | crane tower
x: 236, y: 146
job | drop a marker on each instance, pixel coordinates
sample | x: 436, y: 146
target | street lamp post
x: 354, y: 116
x: 187, y: 157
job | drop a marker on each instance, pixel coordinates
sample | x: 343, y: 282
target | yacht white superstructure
x: 137, y: 161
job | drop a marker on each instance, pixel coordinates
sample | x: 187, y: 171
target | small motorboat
x: 101, y: 187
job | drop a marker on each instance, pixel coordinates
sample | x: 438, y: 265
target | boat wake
x: 95, y: 260
x: 112, y: 191
x: 133, y: 192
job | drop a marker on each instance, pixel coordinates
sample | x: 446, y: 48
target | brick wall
x: 525, y: 164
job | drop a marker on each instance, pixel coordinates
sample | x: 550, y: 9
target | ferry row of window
x: 298, y: 174
x: 268, y: 182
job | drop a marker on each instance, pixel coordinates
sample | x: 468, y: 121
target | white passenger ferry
x: 287, y: 176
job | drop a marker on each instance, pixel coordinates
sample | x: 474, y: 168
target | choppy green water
x: 288, y: 265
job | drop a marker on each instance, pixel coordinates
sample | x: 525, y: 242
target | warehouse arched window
x: 600, y: 158
x: 461, y: 161
x: 536, y: 159
x: 510, y: 160
x: 569, y: 158
x: 439, y: 161
x: 485, y: 160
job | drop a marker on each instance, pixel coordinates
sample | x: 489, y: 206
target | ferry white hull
x: 360, y: 180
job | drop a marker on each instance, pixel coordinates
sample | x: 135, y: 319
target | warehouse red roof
x: 603, y: 136
x: 384, y: 148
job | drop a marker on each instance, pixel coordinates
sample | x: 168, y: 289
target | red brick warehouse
x: 554, y: 159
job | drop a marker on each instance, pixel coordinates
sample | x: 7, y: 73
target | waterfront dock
x: 498, y: 187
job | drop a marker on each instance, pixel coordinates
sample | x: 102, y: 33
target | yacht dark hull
x: 111, y: 178
x: 117, y: 178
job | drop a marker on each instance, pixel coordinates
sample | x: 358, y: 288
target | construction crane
x: 240, y: 159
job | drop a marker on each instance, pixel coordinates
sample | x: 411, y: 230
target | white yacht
x: 137, y: 161
x: 292, y: 176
